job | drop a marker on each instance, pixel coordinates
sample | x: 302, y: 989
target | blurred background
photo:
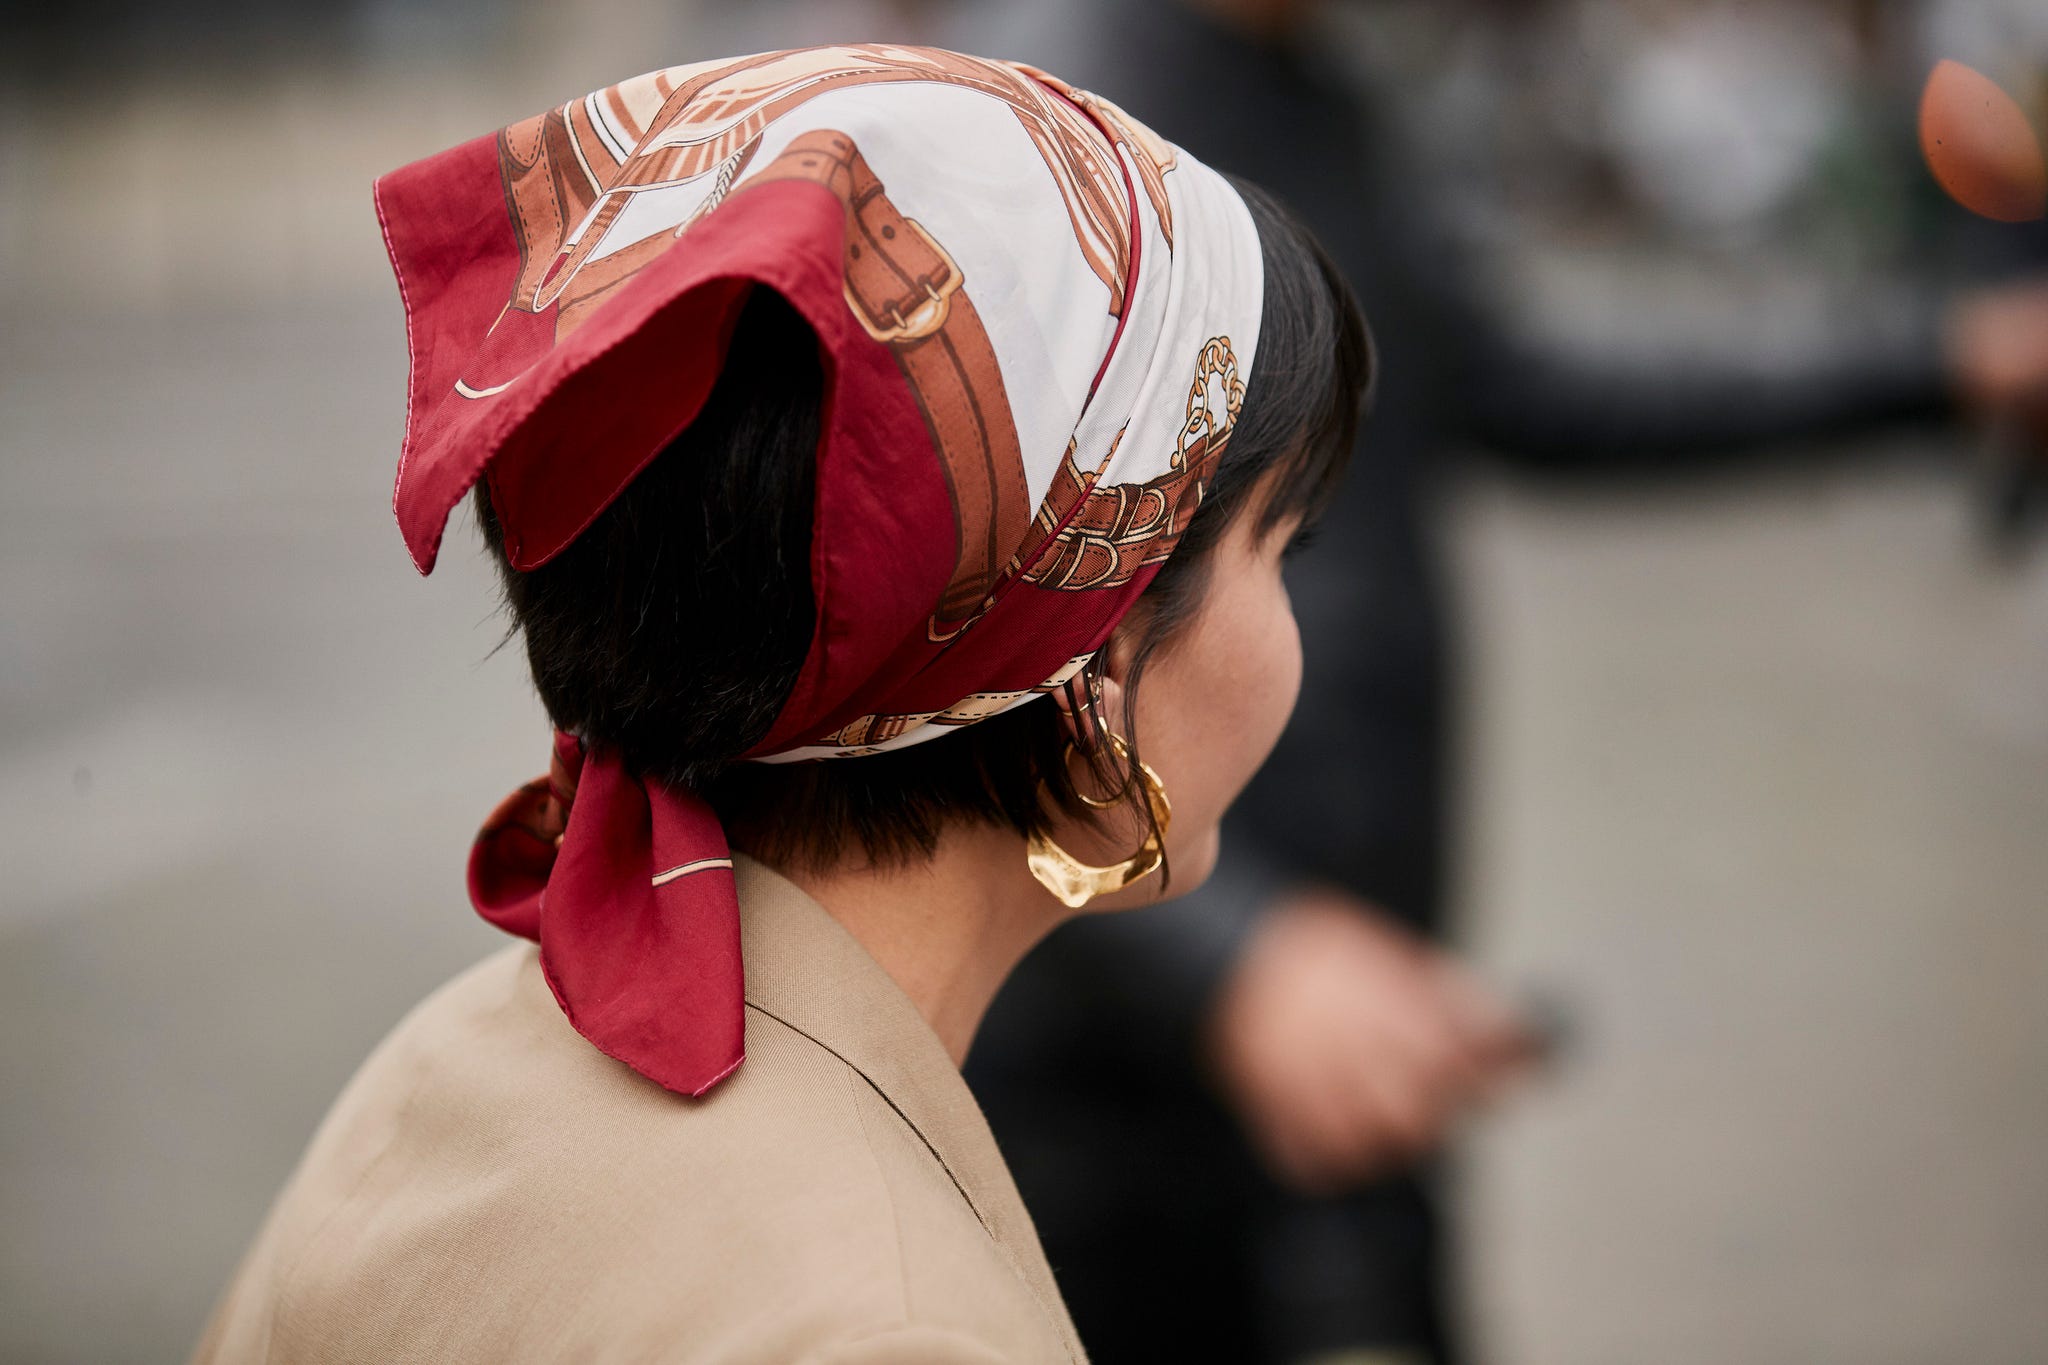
x: 1752, y: 765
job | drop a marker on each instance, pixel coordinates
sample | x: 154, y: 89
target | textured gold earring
x: 1076, y: 883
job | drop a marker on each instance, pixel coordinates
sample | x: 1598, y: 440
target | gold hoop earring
x: 1074, y: 882
x: 1115, y: 798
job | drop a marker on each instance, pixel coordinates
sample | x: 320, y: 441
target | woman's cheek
x: 1285, y: 672
x: 1268, y: 668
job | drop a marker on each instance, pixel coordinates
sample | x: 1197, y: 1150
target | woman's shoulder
x: 490, y: 1186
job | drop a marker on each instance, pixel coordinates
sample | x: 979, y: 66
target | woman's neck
x: 947, y: 930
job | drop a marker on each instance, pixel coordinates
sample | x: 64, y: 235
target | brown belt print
x: 557, y: 166
x: 908, y: 292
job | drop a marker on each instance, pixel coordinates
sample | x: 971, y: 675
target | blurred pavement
x: 1760, y: 779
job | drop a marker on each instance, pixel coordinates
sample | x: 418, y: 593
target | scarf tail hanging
x: 640, y: 941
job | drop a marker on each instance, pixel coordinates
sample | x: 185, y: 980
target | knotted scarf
x: 1036, y: 320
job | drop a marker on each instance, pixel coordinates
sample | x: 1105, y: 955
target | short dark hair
x: 675, y: 625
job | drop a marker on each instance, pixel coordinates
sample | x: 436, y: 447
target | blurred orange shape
x: 1979, y: 145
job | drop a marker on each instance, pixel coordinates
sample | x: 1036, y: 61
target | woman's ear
x: 1083, y: 711
x: 1114, y: 664
x: 1091, y: 703
x: 1109, y: 704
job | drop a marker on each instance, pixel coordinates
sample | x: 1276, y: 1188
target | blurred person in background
x: 1224, y: 1115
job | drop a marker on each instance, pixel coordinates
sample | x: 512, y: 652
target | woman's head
x: 675, y: 625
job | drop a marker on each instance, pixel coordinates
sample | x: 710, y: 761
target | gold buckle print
x: 928, y: 316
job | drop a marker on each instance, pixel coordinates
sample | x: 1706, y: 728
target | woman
x: 882, y: 406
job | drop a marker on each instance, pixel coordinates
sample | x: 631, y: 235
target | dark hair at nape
x: 675, y: 625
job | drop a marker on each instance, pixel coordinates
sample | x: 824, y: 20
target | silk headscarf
x: 1036, y: 319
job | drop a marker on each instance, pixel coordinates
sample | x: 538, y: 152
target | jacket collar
x: 804, y: 968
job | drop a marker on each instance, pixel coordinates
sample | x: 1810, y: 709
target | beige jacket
x: 490, y: 1188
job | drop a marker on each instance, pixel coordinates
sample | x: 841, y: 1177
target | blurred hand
x: 1350, y: 1046
x: 1997, y: 343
